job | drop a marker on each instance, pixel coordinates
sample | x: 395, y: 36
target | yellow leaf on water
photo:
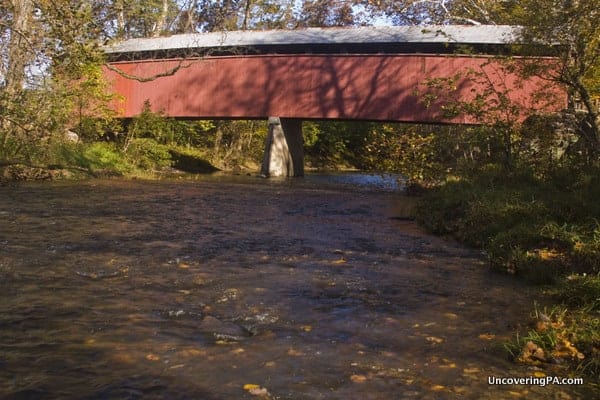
x: 450, y: 315
x: 306, y: 328
x: 340, y: 261
x: 471, y: 370
x: 448, y: 366
x: 434, y: 339
x: 256, y: 390
x: 539, y: 374
x: 294, y: 353
x: 438, y: 388
x: 487, y: 336
x: 152, y: 357
x: 358, y: 378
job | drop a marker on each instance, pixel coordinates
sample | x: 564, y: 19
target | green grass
x: 144, y: 158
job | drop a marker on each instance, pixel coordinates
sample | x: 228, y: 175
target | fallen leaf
x: 358, y: 378
x: 340, y: 261
x: 450, y: 315
x: 256, y: 390
x: 434, y: 339
x: 152, y: 357
x: 306, y: 328
x: 539, y: 374
x: 487, y: 336
x: 294, y: 353
x: 471, y: 370
x: 448, y: 366
x: 192, y: 353
x: 438, y: 388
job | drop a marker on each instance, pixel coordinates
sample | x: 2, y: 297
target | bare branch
x: 169, y: 72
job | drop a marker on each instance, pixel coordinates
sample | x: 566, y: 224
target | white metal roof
x: 460, y: 34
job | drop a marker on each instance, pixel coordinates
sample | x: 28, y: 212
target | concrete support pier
x: 284, y: 153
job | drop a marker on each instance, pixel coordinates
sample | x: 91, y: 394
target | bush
x: 190, y: 160
x: 537, y: 228
x: 105, y: 156
x: 146, y: 154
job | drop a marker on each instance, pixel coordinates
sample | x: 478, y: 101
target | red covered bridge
x: 369, y: 73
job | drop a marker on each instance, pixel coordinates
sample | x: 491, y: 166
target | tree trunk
x: 590, y: 128
x: 246, y: 15
x: 18, y: 51
x: 161, y: 23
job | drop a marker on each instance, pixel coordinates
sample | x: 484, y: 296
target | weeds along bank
x: 544, y: 228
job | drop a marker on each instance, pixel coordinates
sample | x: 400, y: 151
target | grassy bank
x: 545, y: 230
x: 144, y: 158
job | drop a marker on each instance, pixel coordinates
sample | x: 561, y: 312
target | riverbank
x: 545, y: 231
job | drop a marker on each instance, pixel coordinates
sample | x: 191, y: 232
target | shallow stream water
x: 241, y: 288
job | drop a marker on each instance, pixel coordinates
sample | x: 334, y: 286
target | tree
x: 570, y: 30
x: 49, y: 67
x: 320, y: 13
x: 417, y: 12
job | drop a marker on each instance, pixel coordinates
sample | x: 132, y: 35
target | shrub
x: 190, y: 160
x: 146, y: 154
x: 105, y: 156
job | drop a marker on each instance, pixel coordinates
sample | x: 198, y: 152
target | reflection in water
x: 232, y: 288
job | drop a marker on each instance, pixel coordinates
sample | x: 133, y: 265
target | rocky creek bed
x: 245, y: 288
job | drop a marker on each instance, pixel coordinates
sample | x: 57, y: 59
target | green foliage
x: 569, y: 332
x: 150, y: 125
x: 190, y: 160
x: 332, y: 144
x: 537, y: 228
x: 147, y: 154
x: 104, y: 156
x: 580, y: 291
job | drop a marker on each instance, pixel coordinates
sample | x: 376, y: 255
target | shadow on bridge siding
x: 377, y: 87
x: 373, y: 87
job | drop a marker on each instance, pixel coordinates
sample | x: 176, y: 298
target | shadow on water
x: 239, y: 287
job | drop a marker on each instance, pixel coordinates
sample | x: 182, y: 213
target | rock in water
x: 223, y: 330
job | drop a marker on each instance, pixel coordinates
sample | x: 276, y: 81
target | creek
x: 240, y: 288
